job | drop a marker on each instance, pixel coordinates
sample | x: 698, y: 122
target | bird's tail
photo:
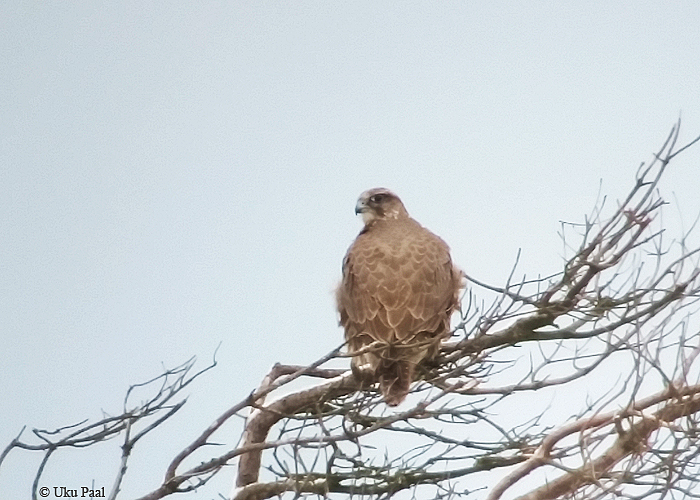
x: 395, y: 380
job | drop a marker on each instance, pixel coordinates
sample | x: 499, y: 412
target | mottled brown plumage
x: 398, y: 292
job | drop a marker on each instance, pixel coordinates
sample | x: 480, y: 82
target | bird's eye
x: 377, y: 198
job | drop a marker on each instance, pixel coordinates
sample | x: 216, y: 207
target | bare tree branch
x: 616, y: 330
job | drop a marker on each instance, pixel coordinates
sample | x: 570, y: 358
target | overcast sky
x: 175, y: 175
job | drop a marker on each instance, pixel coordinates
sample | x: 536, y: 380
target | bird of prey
x: 398, y: 292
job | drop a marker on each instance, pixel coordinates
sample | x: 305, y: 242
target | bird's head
x: 379, y: 203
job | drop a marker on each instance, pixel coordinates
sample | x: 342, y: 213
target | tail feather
x: 395, y: 379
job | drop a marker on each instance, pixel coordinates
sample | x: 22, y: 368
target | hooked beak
x: 361, y: 206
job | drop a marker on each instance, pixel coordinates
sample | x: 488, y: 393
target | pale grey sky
x: 178, y: 174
